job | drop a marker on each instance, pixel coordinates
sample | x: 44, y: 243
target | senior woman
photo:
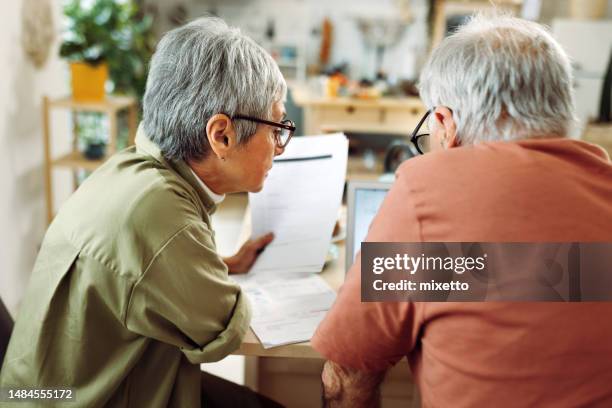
x: 128, y: 295
x: 499, y: 169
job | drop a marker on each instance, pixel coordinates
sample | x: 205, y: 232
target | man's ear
x: 221, y: 135
x: 444, y: 119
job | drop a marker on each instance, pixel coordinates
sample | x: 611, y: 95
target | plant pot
x: 95, y: 151
x: 88, y: 81
x: 588, y: 9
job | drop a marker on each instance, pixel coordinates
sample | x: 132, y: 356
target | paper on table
x: 299, y: 203
x: 286, y: 309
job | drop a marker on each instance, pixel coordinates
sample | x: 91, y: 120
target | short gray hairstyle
x: 202, y: 69
x: 504, y: 79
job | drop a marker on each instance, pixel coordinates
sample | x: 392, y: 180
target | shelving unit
x: 111, y: 106
x: 290, y: 60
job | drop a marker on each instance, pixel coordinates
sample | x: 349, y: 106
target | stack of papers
x: 288, y: 308
x: 299, y: 203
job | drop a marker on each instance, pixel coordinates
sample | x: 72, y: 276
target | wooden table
x: 291, y: 374
x: 333, y: 274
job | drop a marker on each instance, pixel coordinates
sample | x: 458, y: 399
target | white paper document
x: 288, y: 308
x: 299, y: 203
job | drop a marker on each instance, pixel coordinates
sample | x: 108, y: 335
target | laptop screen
x: 364, y: 200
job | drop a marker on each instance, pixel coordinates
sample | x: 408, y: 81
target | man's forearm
x: 344, y: 387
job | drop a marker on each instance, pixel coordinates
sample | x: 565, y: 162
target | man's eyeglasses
x: 421, y: 140
x: 283, y: 132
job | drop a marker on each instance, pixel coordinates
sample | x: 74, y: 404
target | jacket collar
x: 147, y: 146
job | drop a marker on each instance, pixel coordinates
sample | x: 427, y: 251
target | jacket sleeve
x: 185, y: 298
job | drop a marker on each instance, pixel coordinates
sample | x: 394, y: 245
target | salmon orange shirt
x: 488, y: 354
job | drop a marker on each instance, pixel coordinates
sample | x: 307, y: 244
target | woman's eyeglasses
x: 283, y: 130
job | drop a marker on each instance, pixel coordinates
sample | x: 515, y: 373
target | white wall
x: 22, y: 215
x: 294, y: 21
x: 560, y: 8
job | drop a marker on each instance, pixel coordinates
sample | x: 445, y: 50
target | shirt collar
x: 147, y: 146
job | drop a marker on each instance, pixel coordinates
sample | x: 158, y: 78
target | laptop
x: 363, y: 201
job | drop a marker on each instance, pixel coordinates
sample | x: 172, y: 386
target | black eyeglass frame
x: 415, y: 136
x: 285, y: 124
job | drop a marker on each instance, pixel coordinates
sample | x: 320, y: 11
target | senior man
x: 500, y: 169
x: 128, y: 295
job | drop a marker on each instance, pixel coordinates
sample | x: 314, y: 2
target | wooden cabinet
x: 393, y: 116
x: 370, y: 117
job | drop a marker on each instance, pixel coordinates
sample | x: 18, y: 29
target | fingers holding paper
x: 247, y: 254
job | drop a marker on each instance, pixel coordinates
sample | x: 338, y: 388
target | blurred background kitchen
x: 74, y: 73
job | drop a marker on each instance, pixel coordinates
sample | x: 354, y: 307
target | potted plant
x: 102, y: 39
x: 91, y: 129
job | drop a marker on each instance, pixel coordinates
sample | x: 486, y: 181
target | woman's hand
x: 248, y: 253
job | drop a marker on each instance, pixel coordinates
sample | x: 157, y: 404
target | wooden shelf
x: 109, y: 104
x: 76, y: 160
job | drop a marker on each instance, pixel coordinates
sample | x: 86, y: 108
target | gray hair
x: 504, y: 79
x: 202, y: 69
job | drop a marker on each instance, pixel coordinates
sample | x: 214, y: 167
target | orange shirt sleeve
x: 373, y: 336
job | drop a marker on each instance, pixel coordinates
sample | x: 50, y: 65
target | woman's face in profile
x: 254, y: 159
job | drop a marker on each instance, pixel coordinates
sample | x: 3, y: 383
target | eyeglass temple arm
x: 418, y: 126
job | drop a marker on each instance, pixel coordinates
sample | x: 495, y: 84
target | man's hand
x: 345, y: 387
x: 248, y: 253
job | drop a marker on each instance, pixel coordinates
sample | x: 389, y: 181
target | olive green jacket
x: 128, y: 293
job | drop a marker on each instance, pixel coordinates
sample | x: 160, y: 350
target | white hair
x: 504, y: 78
x: 202, y: 69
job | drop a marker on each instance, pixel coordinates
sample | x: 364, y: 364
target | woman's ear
x: 444, y: 119
x: 221, y: 135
